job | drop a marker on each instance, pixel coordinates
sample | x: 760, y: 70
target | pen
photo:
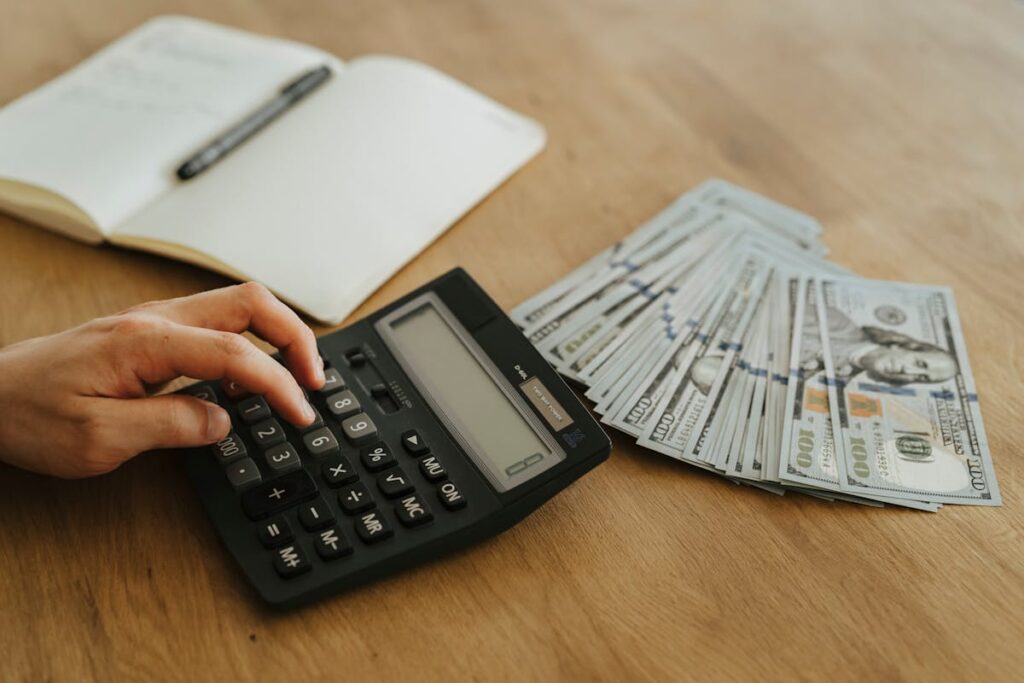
x: 223, y: 145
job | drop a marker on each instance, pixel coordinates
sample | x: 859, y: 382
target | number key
x: 359, y: 429
x: 282, y: 458
x: 321, y: 442
x: 229, y: 449
x: 333, y: 381
x: 253, y: 409
x: 268, y: 433
x: 343, y: 404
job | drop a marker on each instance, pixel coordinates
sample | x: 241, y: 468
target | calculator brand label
x: 550, y: 409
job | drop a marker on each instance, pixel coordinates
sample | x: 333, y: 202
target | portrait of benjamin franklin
x: 883, y: 355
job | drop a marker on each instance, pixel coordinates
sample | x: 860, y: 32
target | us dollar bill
x: 903, y: 394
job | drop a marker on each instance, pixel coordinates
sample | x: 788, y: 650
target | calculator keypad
x: 291, y: 510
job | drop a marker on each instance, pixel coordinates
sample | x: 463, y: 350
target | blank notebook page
x: 335, y: 196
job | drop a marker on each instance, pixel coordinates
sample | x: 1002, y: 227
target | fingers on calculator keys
x: 318, y: 420
x: 291, y: 560
x: 275, y: 531
x: 414, y: 443
x: 282, y: 458
x: 413, y: 511
x: 359, y: 429
x: 278, y: 494
x: 331, y: 544
x: 394, y: 483
x: 315, y: 515
x: 253, y: 409
x: 372, y: 527
x: 450, y: 495
x: 377, y: 457
x: 229, y: 448
x: 204, y: 392
x: 243, y: 474
x: 432, y: 469
x: 321, y: 442
x: 343, y: 404
x: 267, y: 433
x: 333, y: 381
x: 355, y: 498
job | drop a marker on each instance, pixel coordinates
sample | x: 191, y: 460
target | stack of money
x: 718, y: 334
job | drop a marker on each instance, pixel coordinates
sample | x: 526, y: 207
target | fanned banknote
x: 719, y: 335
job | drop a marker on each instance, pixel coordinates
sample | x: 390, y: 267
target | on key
x: 278, y: 494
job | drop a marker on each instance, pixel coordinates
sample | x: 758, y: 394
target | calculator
x: 439, y: 426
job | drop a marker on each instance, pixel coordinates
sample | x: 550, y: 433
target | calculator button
x: 267, y: 433
x: 291, y: 561
x: 253, y: 409
x: 413, y: 511
x: 432, y: 469
x: 359, y: 429
x: 321, y: 442
x: 343, y: 404
x: 394, y: 483
x: 242, y: 474
x: 377, y: 457
x: 282, y: 458
x: 206, y: 393
x: 274, y: 532
x: 372, y: 527
x: 355, y: 358
x: 333, y: 381
x: 450, y: 495
x: 228, y: 449
x: 337, y: 470
x: 414, y: 442
x: 355, y: 498
x: 379, y: 391
x: 318, y: 420
x: 315, y: 514
x: 331, y: 544
x: 278, y: 494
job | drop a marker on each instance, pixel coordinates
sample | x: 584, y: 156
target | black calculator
x: 439, y: 426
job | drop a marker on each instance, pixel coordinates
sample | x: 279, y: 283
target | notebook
x: 322, y: 206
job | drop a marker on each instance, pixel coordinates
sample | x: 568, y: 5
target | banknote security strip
x: 719, y: 334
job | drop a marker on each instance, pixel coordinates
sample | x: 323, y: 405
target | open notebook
x: 322, y: 206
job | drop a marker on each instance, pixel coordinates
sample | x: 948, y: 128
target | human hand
x: 77, y: 403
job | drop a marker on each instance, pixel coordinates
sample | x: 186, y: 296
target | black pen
x: 223, y: 145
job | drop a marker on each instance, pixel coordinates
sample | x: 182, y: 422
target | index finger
x: 251, y: 306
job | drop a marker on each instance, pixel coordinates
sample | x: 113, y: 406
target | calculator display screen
x: 467, y: 392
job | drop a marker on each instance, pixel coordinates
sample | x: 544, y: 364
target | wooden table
x: 900, y: 125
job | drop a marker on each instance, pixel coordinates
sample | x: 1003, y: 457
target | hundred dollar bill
x: 808, y: 454
x: 680, y: 405
x: 902, y: 392
x: 631, y: 411
x: 715, y: 193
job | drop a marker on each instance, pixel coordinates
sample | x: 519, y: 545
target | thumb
x: 172, y: 421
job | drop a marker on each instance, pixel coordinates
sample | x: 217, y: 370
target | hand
x: 76, y: 404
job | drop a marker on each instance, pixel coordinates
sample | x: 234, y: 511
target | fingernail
x: 218, y: 424
x: 307, y: 411
x: 320, y: 371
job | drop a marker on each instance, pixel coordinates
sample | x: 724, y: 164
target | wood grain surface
x: 900, y: 125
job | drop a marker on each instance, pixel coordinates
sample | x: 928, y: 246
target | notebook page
x: 109, y: 134
x: 343, y: 190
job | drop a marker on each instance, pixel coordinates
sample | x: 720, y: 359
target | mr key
x: 438, y: 426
